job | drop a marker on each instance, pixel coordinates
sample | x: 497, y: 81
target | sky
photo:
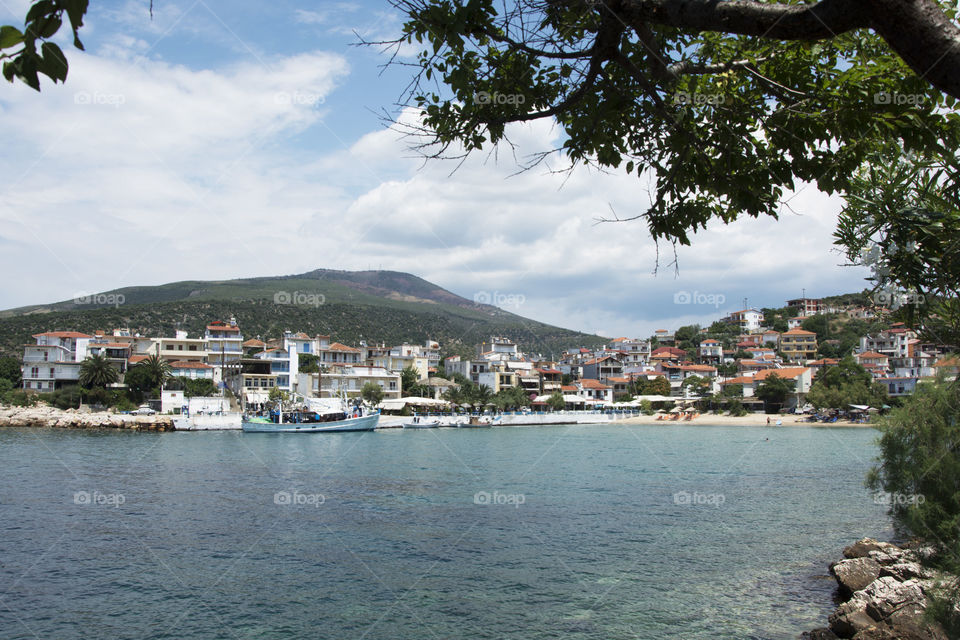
x: 227, y: 139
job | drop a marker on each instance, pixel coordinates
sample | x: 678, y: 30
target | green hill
x: 380, y: 306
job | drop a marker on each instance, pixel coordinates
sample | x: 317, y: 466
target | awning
x: 258, y: 397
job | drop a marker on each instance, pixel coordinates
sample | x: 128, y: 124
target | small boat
x: 475, y: 423
x: 416, y: 424
x: 318, y: 416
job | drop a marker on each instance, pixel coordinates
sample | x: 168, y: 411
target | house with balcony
x: 893, y: 342
x: 749, y: 320
x: 54, y: 361
x: 798, y: 345
x: 593, y: 391
x: 225, y: 346
x: 807, y: 306
x: 191, y: 369
x: 499, y: 377
x: 876, y: 363
x: 116, y: 353
x: 711, y: 351
x: 339, y: 354
x: 551, y: 379
x: 602, y: 368
x: 251, y: 381
x: 898, y: 386
x: 284, y: 364
x: 664, y: 337
x: 795, y: 322
x: 180, y: 348
x: 349, y: 379
x: 770, y: 338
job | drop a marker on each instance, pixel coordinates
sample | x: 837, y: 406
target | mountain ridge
x: 389, y: 306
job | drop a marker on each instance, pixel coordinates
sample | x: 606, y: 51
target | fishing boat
x: 316, y: 415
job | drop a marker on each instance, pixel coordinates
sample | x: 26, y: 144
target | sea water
x: 581, y: 532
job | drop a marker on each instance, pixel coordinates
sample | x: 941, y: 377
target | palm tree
x: 482, y: 395
x: 96, y: 371
x: 157, y: 369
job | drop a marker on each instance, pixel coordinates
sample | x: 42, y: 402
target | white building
x: 349, y: 379
x: 54, y: 361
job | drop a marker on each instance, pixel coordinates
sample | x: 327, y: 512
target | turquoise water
x: 583, y: 532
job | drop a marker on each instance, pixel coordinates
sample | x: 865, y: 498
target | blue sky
x: 232, y: 139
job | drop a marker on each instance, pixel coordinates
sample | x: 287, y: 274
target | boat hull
x: 363, y: 423
x: 421, y: 425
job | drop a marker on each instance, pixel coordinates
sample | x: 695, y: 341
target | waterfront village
x: 623, y: 372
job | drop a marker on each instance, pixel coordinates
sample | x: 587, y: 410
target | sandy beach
x: 749, y: 420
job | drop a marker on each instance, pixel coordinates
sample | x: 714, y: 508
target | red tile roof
x: 799, y: 332
x: 590, y: 383
x: 187, y: 364
x: 870, y: 354
x: 336, y: 346
x: 62, y: 334
x: 787, y: 373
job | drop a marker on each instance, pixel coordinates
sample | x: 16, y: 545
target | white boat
x: 416, y: 424
x: 317, y: 416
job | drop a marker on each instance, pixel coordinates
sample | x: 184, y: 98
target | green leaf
x: 39, y: 9
x: 54, y: 62
x: 50, y: 26
x: 10, y: 37
x: 75, y: 11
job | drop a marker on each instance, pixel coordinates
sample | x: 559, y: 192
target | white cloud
x: 140, y: 171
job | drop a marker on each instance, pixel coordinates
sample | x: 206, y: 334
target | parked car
x: 144, y: 410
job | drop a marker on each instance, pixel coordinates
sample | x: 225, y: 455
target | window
x: 44, y: 356
x: 51, y: 372
x: 34, y: 372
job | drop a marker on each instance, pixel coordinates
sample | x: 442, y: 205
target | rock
x: 904, y: 571
x: 889, y: 556
x: 862, y: 548
x: 886, y: 596
x: 855, y: 574
x: 848, y: 625
x: 819, y: 634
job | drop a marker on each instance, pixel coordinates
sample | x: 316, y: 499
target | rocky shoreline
x: 46, y: 416
x: 882, y: 589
